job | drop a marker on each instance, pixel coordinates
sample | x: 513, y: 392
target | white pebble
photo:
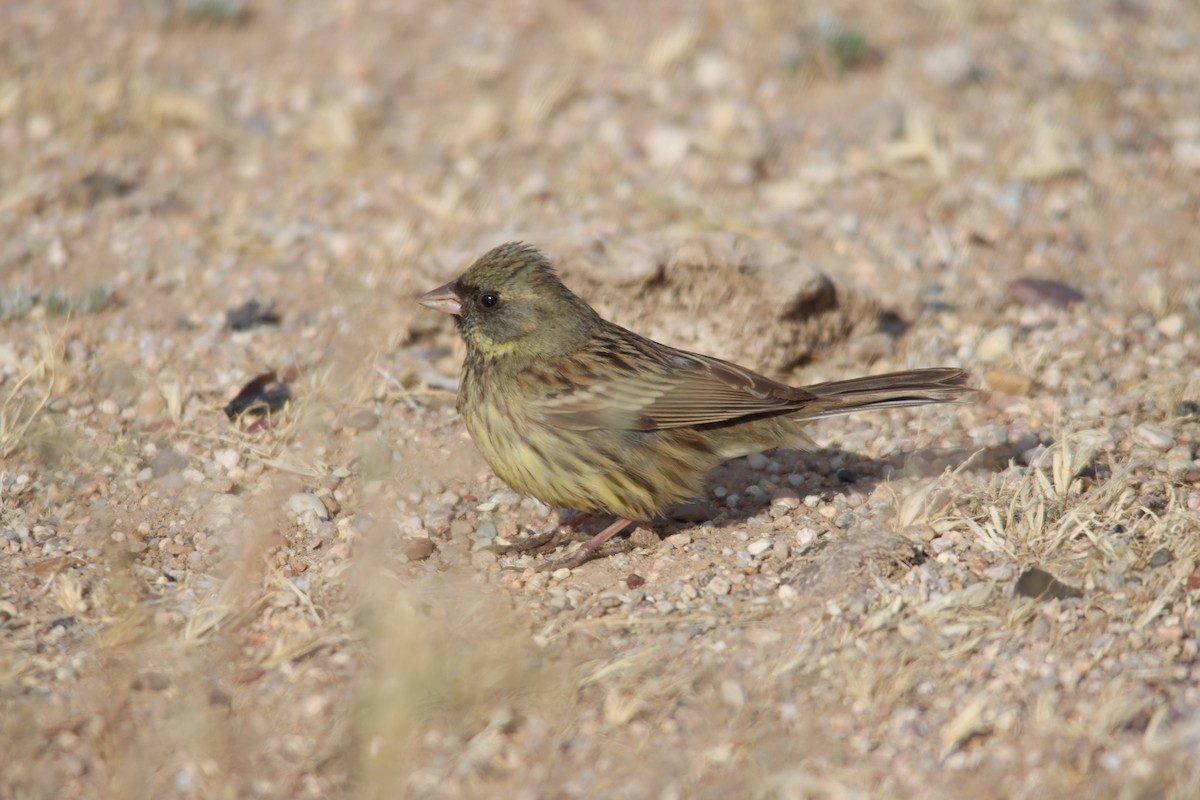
x: 718, y: 586
x: 995, y: 345
x: 1155, y: 437
x: 314, y: 705
x: 805, y: 537
x: 1170, y: 326
x: 733, y: 694
x: 786, y: 498
x: 1186, y: 153
x: 301, y: 502
x: 756, y: 461
x: 714, y: 70
x: 667, y: 145
x: 679, y: 540
x: 951, y: 64
x: 759, y: 547
x: 505, y: 498
x: 227, y: 457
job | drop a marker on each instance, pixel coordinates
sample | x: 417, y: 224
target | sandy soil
x: 995, y: 599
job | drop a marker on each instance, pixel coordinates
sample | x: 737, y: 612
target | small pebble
x: 1041, y: 585
x: 419, y: 549
x: 227, y: 457
x: 1171, y: 326
x: 786, y: 497
x: 996, y: 345
x: 952, y: 65
x: 680, y: 540
x: 1034, y: 291
x: 484, y: 558
x: 733, y: 693
x: 509, y: 498
x: 1186, y: 153
x: 718, y: 586
x: 941, y: 544
x: 1161, y: 557
x: 302, y: 502
x: 362, y: 419
x: 1155, y: 437
x: 1012, y: 383
x: 760, y: 546
x: 756, y: 461
x: 667, y: 145
x: 805, y: 537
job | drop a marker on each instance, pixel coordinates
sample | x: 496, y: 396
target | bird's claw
x: 537, y: 543
x: 583, y: 554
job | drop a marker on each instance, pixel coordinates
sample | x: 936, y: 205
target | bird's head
x: 510, y: 303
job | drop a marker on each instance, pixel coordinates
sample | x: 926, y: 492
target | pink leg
x: 588, y: 551
x: 577, y: 519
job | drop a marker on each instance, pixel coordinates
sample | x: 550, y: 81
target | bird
x: 579, y: 412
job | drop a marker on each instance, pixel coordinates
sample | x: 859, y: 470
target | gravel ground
x: 994, y: 599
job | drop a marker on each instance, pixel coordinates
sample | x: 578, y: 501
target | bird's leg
x: 577, y: 519
x: 589, y: 549
x: 548, y: 540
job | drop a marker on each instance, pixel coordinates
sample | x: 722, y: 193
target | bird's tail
x: 912, y: 387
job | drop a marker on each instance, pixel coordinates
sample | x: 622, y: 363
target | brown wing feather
x: 624, y: 381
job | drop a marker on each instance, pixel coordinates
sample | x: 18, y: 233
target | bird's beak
x: 442, y: 299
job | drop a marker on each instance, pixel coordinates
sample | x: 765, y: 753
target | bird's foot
x: 581, y: 555
x: 591, y: 549
x: 544, y: 542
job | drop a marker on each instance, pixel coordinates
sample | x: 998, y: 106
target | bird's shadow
x: 854, y: 473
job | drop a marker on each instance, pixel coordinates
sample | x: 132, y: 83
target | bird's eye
x: 489, y: 300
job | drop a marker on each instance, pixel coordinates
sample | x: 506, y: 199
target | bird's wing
x: 625, y: 383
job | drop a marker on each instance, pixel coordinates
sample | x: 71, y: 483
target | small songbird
x: 579, y: 412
